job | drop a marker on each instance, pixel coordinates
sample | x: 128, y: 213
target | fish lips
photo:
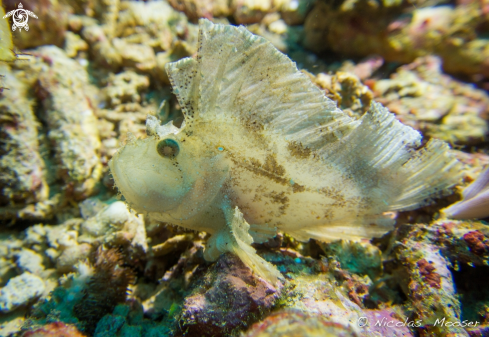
x: 149, y: 182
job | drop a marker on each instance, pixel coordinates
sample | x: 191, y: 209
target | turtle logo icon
x: 20, y: 17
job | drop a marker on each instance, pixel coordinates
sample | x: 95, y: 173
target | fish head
x: 145, y: 173
x: 165, y: 171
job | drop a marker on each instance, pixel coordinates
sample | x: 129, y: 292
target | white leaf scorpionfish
x: 262, y: 149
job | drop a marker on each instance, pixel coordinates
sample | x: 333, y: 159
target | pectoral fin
x: 234, y: 238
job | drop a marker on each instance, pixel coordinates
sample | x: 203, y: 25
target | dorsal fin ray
x: 184, y: 80
x: 243, y: 75
x: 380, y: 155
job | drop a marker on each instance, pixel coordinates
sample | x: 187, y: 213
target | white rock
x: 29, y: 261
x: 278, y: 27
x: 112, y: 217
x: 68, y: 259
x: 19, y: 291
x: 116, y: 213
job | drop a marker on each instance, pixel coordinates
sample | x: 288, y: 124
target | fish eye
x: 168, y: 148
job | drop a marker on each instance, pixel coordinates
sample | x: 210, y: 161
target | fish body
x: 262, y: 149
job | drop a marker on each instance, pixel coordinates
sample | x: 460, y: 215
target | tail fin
x: 381, y: 155
x: 429, y: 173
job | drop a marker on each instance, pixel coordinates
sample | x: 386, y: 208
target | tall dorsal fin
x: 237, y: 73
x: 245, y: 75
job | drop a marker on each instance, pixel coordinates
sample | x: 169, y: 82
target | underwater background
x: 80, y: 79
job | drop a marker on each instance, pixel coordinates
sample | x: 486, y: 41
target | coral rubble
x: 68, y: 113
x: 20, y: 290
x: 441, y: 107
x: 22, y: 168
x: 80, y: 84
x: 400, y: 32
x: 230, y: 298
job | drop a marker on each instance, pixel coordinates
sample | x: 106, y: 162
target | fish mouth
x: 145, y: 179
x: 119, y: 175
x: 129, y: 176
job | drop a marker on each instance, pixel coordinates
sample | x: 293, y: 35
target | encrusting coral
x: 347, y: 91
x: 435, y: 262
x: 423, y: 97
x: 56, y: 329
x: 69, y: 115
x: 126, y: 87
x: 22, y: 169
x: 430, y: 286
x: 401, y: 32
x: 228, y: 300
